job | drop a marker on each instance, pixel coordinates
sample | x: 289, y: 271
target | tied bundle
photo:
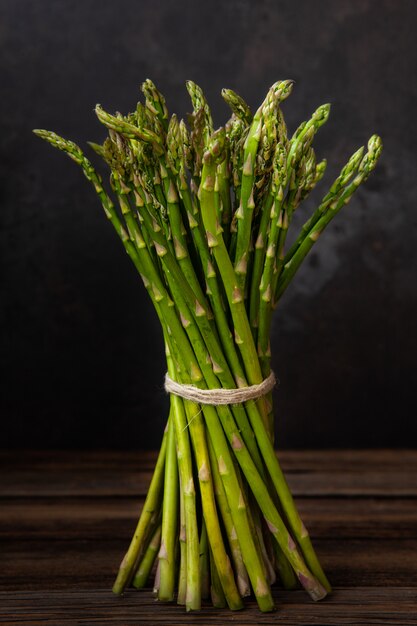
x: 203, y: 215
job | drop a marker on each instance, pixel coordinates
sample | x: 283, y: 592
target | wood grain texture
x: 66, y: 519
x: 365, y: 605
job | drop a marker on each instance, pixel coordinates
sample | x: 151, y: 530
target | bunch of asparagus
x: 203, y: 214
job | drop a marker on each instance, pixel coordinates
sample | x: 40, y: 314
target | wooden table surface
x: 66, y: 519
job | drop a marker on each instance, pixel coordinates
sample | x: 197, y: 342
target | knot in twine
x: 220, y: 396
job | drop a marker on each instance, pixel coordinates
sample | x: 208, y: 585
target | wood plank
x: 60, y: 564
x: 342, y: 460
x: 93, y: 459
x: 106, y: 473
x: 107, y: 518
x: 75, y: 482
x: 358, y: 607
x: 106, y: 484
x: 54, y: 479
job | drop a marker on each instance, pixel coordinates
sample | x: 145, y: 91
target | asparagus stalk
x: 217, y: 594
x: 155, y: 102
x: 204, y: 562
x: 366, y: 166
x: 150, y: 506
x: 345, y: 175
x: 239, y: 107
x: 182, y: 576
x: 190, y: 589
x: 242, y: 578
x: 167, y: 552
x: 277, y: 93
x: 142, y: 574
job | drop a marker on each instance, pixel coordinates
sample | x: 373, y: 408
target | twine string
x: 220, y: 396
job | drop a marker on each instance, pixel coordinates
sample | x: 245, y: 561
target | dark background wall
x: 82, y: 358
